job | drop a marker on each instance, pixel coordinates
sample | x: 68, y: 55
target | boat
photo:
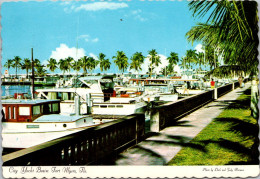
x: 125, y: 101
x: 97, y: 93
x: 26, y: 123
x: 156, y: 89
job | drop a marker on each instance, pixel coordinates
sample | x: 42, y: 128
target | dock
x: 161, y: 147
x: 125, y: 142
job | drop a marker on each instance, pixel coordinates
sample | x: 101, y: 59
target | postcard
x: 124, y: 88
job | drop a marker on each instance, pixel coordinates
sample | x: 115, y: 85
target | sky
x: 58, y: 29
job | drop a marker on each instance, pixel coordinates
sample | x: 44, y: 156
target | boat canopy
x: 59, y: 118
x: 129, y: 89
x: 89, y: 79
x: 86, y: 78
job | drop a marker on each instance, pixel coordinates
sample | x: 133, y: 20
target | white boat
x: 95, y: 91
x: 126, y: 101
x: 27, y: 123
x: 157, y: 89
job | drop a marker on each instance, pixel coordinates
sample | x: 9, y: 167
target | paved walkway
x: 161, y: 147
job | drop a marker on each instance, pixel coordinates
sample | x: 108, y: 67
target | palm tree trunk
x: 26, y: 73
x: 16, y: 71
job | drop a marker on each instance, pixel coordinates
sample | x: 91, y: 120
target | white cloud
x: 93, y: 55
x: 136, y: 14
x: 199, y: 48
x: 63, y: 51
x: 64, y: 3
x: 136, y: 11
x: 95, y: 40
x: 101, y: 6
x: 87, y: 38
x: 139, y: 17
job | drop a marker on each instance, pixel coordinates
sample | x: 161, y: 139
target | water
x: 9, y: 90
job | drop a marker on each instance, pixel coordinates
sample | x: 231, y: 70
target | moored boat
x: 97, y: 92
x: 31, y: 122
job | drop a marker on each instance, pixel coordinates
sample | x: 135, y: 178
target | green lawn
x: 231, y: 138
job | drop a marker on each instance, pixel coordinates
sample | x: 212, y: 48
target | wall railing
x: 87, y: 147
x: 166, y: 114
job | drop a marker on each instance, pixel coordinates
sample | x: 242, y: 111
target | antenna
x: 166, y: 59
x: 77, y: 39
x: 32, y: 75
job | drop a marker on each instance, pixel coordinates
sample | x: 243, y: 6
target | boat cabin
x: 19, y: 110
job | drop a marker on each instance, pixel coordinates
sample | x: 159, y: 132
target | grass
x: 230, y: 139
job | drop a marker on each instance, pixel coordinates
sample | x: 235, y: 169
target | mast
x: 32, y: 76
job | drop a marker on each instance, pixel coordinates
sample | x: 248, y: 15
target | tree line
x: 88, y: 64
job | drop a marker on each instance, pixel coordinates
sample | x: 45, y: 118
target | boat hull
x: 28, y: 134
x: 118, y: 108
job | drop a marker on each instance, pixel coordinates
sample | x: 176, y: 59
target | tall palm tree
x: 52, y: 64
x: 91, y: 63
x: 200, y: 59
x: 27, y: 65
x: 137, y: 60
x: 84, y: 61
x: 8, y: 64
x: 183, y: 62
x: 63, y: 66
x: 173, y: 60
x: 17, y: 64
x: 154, y: 60
x: 68, y: 62
x: 76, y: 65
x: 211, y: 59
x: 104, y: 63
x: 121, y: 61
x: 191, y: 57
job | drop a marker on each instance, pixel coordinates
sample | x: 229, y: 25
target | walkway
x: 160, y: 148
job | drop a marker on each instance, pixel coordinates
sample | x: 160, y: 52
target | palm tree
x: 191, y: 57
x: 104, y: 63
x: 166, y: 70
x: 8, y: 64
x: 27, y: 65
x: 40, y: 71
x: 232, y: 26
x: 201, y: 59
x: 63, y: 65
x: 121, y: 61
x: 52, y: 64
x: 137, y: 61
x: 17, y: 63
x: 173, y: 60
x: 183, y: 62
x: 37, y: 62
x: 76, y: 65
x: 154, y: 60
x: 91, y: 63
x: 68, y: 62
x: 84, y: 61
x: 210, y: 57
